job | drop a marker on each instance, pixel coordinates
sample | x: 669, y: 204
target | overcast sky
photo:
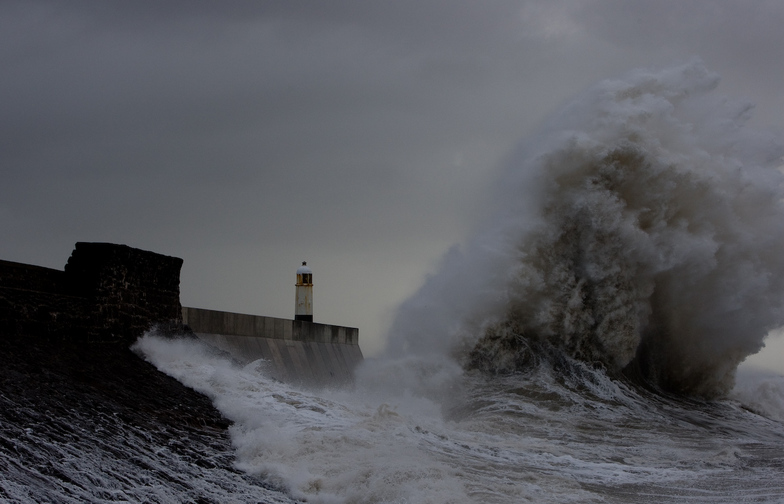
x: 364, y: 137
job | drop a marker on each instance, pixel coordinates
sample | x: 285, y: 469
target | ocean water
x: 641, y: 228
x: 424, y: 431
x: 581, y: 346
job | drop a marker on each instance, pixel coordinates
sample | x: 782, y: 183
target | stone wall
x: 107, y: 293
x: 114, y: 293
x: 36, y: 302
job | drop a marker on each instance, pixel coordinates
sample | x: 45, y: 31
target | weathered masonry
x: 294, y: 351
x: 108, y: 295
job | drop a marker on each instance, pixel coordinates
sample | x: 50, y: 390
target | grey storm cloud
x: 362, y: 136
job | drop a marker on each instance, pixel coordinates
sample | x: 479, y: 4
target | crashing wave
x: 642, y: 229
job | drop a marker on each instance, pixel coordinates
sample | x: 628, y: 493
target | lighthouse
x: 304, y: 309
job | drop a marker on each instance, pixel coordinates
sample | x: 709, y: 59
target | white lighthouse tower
x: 304, y: 309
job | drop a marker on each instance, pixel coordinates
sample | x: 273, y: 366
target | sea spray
x: 761, y: 392
x: 624, y: 226
x: 641, y: 229
x: 562, y: 431
x: 352, y: 446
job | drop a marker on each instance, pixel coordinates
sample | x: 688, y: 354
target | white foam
x: 761, y: 392
x: 336, y: 448
x: 515, y: 439
x: 643, y: 215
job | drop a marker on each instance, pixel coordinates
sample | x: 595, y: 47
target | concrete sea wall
x: 293, y: 351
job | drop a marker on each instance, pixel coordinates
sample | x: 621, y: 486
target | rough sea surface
x: 581, y: 346
x: 421, y: 431
x: 98, y: 424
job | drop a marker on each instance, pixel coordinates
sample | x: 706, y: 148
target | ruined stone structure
x: 106, y: 293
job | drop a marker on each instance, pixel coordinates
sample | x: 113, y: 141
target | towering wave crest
x: 641, y: 229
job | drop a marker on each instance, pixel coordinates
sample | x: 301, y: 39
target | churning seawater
x: 420, y: 431
x: 582, y: 346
